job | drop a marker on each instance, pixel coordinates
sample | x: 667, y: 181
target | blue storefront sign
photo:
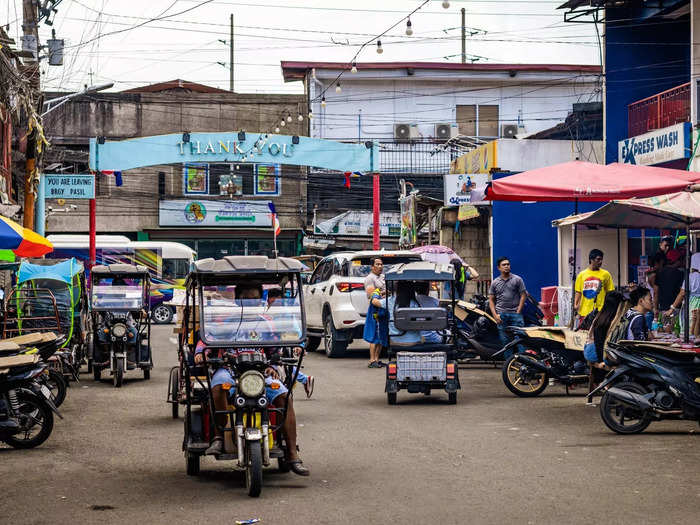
x: 656, y: 147
x: 69, y: 186
x: 258, y: 148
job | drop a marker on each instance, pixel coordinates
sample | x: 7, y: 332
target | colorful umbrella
x: 22, y: 241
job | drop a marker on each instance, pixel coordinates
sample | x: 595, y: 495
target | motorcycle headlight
x: 119, y: 330
x: 252, y: 383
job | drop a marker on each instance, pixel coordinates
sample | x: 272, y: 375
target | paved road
x: 492, y: 458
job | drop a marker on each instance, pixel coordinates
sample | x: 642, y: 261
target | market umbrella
x: 437, y: 253
x: 22, y: 241
x: 680, y: 210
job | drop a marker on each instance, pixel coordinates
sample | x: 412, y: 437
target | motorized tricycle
x: 245, y: 315
x: 121, y: 321
x: 421, y: 350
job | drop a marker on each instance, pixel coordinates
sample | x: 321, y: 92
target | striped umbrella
x: 22, y: 241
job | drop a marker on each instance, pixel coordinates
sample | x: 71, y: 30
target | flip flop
x: 309, y: 386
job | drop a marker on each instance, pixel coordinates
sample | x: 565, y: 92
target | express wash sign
x: 656, y: 147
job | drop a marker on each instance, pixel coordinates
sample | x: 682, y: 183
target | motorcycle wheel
x: 192, y: 463
x: 34, y: 414
x: 520, y: 387
x: 147, y: 373
x: 622, y: 418
x: 118, y: 376
x: 253, y: 474
x: 312, y: 343
x: 58, y: 386
x: 175, y: 393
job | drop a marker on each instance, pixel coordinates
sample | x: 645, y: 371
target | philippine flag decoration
x: 275, y: 222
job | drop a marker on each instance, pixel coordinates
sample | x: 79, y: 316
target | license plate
x: 46, y: 392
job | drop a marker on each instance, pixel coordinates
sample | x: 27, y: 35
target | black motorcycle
x: 650, y: 382
x: 545, y: 359
x: 26, y: 408
x: 477, y: 331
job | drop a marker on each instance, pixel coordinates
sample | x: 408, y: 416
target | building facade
x: 149, y: 203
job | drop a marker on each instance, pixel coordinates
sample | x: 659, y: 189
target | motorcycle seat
x: 661, y: 350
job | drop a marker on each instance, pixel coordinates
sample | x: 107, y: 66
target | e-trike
x: 421, y: 350
x: 121, y: 320
x: 245, y: 315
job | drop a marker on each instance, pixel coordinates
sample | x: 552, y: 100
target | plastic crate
x: 421, y: 366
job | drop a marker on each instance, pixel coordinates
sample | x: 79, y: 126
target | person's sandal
x: 309, y: 386
x: 216, y: 447
x: 298, y: 468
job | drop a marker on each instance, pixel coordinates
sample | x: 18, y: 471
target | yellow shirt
x: 593, y: 285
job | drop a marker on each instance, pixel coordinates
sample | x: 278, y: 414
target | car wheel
x: 332, y: 346
x: 312, y: 343
x: 162, y: 314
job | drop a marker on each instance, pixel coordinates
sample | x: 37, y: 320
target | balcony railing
x: 659, y: 111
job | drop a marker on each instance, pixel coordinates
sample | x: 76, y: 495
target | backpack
x: 621, y: 330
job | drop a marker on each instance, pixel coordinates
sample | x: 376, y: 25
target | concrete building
x: 145, y: 204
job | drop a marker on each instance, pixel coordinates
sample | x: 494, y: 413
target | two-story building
x: 150, y: 203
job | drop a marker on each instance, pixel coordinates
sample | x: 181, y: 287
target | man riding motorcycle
x: 223, y: 385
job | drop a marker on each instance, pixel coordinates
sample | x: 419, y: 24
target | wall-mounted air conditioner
x: 446, y: 131
x: 509, y: 131
x: 405, y: 132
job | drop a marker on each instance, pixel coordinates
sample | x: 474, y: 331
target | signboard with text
x: 656, y: 147
x: 211, y: 213
x: 466, y: 188
x: 69, y: 186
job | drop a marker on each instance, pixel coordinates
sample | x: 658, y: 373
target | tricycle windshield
x: 117, y: 293
x: 260, y: 311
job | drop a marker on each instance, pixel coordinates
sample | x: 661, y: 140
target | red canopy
x: 586, y: 181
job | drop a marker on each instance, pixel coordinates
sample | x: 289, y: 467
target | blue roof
x: 63, y: 271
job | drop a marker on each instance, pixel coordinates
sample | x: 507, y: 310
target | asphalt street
x: 492, y: 458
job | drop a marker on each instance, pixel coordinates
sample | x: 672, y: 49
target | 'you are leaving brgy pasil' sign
x: 69, y: 186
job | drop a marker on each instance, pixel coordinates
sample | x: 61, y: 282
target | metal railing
x: 659, y: 111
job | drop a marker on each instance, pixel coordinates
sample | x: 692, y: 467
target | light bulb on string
x: 311, y: 115
x: 379, y: 47
x: 283, y: 123
x: 277, y: 130
x: 323, y: 101
x: 300, y: 118
x: 338, y: 89
x: 289, y: 117
x: 446, y: 4
x: 409, y: 28
x: 354, y: 68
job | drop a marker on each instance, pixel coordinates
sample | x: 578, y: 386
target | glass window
x: 175, y: 268
x: 117, y: 293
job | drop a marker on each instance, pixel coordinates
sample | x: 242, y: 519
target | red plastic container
x: 549, y: 294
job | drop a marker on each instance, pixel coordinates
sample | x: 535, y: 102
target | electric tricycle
x: 421, y: 349
x: 121, y: 321
x: 243, y: 323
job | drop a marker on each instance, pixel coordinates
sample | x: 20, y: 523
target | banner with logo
x: 656, y: 147
x: 361, y: 223
x: 210, y: 213
x: 462, y: 188
x: 407, y: 236
x: 479, y: 160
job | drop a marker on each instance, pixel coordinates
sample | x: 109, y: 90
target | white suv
x: 335, y: 299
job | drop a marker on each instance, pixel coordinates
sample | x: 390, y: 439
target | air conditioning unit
x: 446, y: 131
x: 509, y: 131
x: 405, y: 132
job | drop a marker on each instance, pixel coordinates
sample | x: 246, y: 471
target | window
x: 175, y: 268
x: 318, y: 272
x: 161, y: 184
x: 477, y: 121
x: 235, y: 179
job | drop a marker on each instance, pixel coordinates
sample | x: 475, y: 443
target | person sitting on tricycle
x: 223, y: 385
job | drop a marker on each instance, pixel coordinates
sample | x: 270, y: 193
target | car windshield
x: 361, y: 266
x: 259, y: 312
x: 117, y: 293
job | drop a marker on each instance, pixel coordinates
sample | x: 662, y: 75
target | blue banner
x: 69, y: 186
x: 259, y: 148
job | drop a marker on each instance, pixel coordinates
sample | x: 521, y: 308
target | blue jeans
x: 509, y: 319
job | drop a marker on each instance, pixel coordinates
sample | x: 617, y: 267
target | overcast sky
x: 187, y: 46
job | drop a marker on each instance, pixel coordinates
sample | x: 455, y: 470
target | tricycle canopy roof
x: 54, y: 269
x: 108, y: 270
x: 243, y: 264
x: 421, y: 271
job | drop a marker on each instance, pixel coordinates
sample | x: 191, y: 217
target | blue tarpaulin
x: 63, y: 271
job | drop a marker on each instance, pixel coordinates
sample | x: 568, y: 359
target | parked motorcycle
x: 26, y: 409
x: 650, y: 382
x: 548, y: 356
x: 477, y: 331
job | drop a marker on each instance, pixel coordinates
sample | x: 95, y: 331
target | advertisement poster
x: 196, y: 179
x: 267, y: 179
x: 461, y: 188
x: 230, y: 184
x: 361, y: 223
x: 211, y: 213
x: 479, y: 160
x: 408, y: 221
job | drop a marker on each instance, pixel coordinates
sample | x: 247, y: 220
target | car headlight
x: 119, y: 330
x: 252, y: 383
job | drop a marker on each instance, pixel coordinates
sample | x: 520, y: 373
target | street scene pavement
x: 492, y: 458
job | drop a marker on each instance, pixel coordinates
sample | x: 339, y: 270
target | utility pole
x: 464, y: 36
x: 30, y: 42
x: 231, y: 56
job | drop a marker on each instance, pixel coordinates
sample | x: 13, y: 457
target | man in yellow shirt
x: 591, y: 286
